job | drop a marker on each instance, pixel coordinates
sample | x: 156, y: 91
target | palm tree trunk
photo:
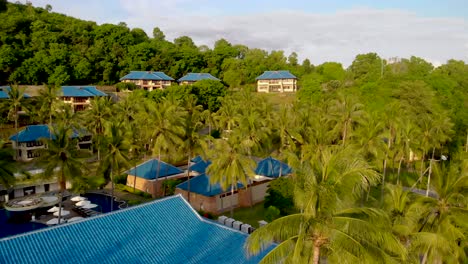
x: 134, y: 178
x: 16, y: 131
x: 399, y: 170
x: 188, y: 175
x: 232, y: 198
x: 429, y: 175
x: 383, y: 179
x: 112, y: 189
x: 62, y: 186
x: 316, y: 256
x: 422, y: 166
x: 157, y: 172
x: 345, y: 130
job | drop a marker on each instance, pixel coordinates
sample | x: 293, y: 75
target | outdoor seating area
x: 85, y: 212
x: 78, y: 207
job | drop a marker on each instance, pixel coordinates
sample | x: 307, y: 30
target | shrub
x: 125, y: 86
x: 271, y: 213
x: 120, y: 179
x: 280, y: 195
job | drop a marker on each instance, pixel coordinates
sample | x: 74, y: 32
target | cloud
x: 338, y: 36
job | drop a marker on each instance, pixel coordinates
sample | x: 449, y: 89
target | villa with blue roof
x: 212, y: 198
x: 150, y: 175
x: 79, y: 97
x: 163, y: 231
x: 191, y: 78
x: 4, y: 90
x: 148, y: 80
x: 27, y: 143
x: 276, y: 81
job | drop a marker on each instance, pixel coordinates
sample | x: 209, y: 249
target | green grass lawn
x: 250, y: 215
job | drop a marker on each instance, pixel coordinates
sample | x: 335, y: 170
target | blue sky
x: 316, y: 29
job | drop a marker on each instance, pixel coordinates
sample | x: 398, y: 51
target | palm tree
x: 47, y: 100
x: 62, y: 153
x: 328, y: 226
x: 95, y: 117
x: 7, y: 167
x: 440, y: 233
x: 230, y: 165
x: 346, y: 112
x: 166, y: 120
x: 14, y: 103
x: 192, y: 125
x: 116, y: 146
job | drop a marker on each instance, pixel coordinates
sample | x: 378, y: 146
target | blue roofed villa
x: 276, y: 81
x: 149, y: 176
x: 27, y: 143
x: 192, y: 78
x: 148, y: 80
x: 79, y: 97
x: 4, y: 90
x: 212, y: 198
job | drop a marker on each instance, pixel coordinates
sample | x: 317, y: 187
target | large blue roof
x: 148, y: 170
x: 272, y: 168
x: 4, y: 92
x: 38, y: 132
x: 268, y: 75
x: 201, y: 185
x: 193, y: 77
x: 81, y: 91
x: 147, y: 75
x: 163, y: 231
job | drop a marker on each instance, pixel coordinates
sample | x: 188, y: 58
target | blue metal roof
x: 148, y: 170
x: 163, y: 231
x: 81, y: 91
x: 38, y: 132
x: 4, y: 92
x: 268, y: 75
x: 200, y: 166
x: 193, y: 77
x: 201, y: 185
x: 197, y: 159
x: 147, y: 75
x: 272, y: 168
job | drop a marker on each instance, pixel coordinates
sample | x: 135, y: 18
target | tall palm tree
x: 95, y: 117
x: 116, y: 145
x: 14, y: 103
x: 442, y: 219
x: 47, y: 99
x: 192, y: 125
x: 62, y: 152
x: 328, y: 226
x: 346, y: 112
x: 230, y: 165
x: 166, y: 124
x: 7, y: 167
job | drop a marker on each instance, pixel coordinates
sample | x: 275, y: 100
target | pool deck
x: 67, y: 205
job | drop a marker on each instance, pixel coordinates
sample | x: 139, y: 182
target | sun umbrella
x: 82, y: 203
x: 78, y: 198
x: 76, y: 218
x: 64, y: 213
x: 89, y: 206
x: 53, y: 209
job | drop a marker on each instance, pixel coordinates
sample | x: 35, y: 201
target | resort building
x: 148, y: 80
x: 276, y: 81
x: 4, y: 92
x: 164, y: 231
x: 79, y: 97
x: 212, y: 198
x: 192, y: 78
x: 150, y: 175
x: 27, y: 143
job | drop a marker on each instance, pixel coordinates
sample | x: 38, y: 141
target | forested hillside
x: 39, y: 46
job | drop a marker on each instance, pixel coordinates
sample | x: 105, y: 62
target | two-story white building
x: 79, y: 97
x: 27, y: 143
x: 276, y: 81
x: 148, y: 80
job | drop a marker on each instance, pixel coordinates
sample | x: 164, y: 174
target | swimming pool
x: 103, y: 200
x: 8, y: 228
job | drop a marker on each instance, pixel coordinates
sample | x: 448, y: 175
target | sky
x: 320, y: 30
